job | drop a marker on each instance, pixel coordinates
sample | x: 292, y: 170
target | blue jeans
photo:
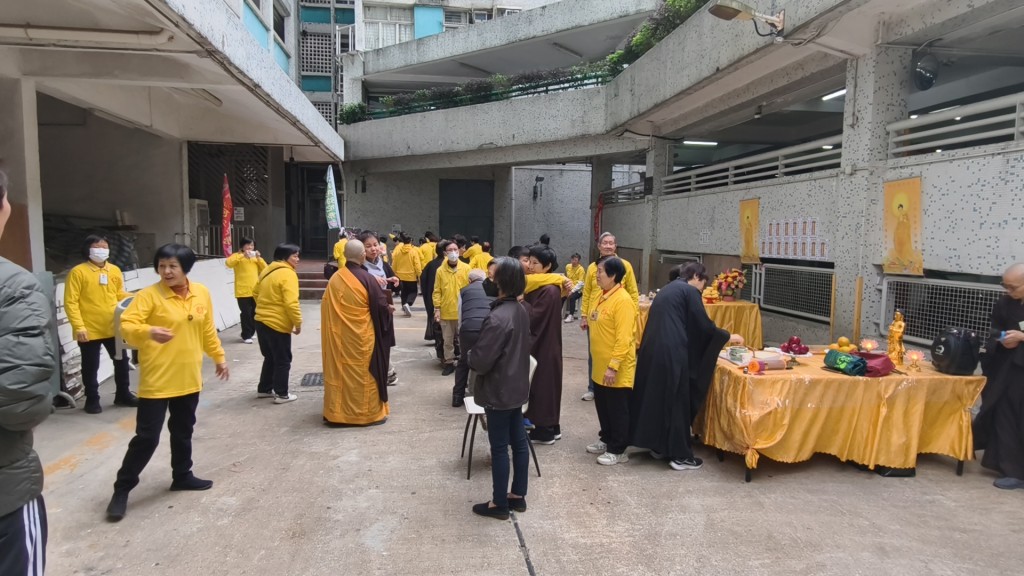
x: 505, y: 427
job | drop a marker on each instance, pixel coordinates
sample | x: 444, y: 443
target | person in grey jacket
x: 26, y: 363
x: 474, y: 306
x: 501, y: 359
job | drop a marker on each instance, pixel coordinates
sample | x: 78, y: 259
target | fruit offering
x: 843, y: 344
x: 794, y: 346
x: 711, y: 295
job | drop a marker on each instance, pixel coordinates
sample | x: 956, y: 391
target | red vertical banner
x: 225, y: 221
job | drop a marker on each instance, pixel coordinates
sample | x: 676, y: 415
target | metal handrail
x: 916, y: 135
x: 764, y: 166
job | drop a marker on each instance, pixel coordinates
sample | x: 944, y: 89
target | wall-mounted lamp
x: 538, y: 187
x: 734, y: 10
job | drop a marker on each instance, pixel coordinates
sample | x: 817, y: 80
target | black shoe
x: 93, y: 406
x: 542, y: 435
x: 449, y: 369
x: 118, y: 507
x: 458, y: 401
x: 128, y: 399
x: 516, y: 504
x: 191, y: 483
x: 486, y: 510
x: 558, y: 432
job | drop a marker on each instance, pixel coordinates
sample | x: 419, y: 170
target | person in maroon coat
x: 545, y: 308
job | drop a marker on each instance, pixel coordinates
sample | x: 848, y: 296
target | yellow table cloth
x: 789, y: 415
x: 739, y: 317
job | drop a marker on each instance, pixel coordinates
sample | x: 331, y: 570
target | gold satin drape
x: 739, y: 317
x: 789, y: 415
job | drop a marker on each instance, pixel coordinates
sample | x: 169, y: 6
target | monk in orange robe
x: 355, y: 336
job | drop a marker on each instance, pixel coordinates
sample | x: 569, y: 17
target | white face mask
x: 99, y: 255
x: 453, y: 256
x: 250, y: 254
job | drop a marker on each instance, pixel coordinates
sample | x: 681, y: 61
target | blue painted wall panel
x: 283, y: 60
x: 427, y: 20
x: 315, y: 14
x: 316, y: 83
x: 255, y: 25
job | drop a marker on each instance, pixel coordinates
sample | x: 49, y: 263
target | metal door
x: 467, y: 207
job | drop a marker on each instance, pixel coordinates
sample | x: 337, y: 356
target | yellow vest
x: 480, y: 261
x: 277, y: 298
x: 472, y: 251
x: 247, y: 272
x: 611, y: 325
x: 575, y: 273
x: 174, y: 368
x: 447, y: 286
x: 91, y: 295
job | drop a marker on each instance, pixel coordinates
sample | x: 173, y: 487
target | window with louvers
x: 316, y: 52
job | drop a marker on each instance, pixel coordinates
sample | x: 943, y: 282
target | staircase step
x: 319, y: 283
x: 318, y: 275
x: 311, y: 294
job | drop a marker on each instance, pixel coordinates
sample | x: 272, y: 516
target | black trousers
x: 91, y: 366
x: 248, y: 308
x: 276, y: 348
x: 148, y: 421
x: 467, y: 338
x: 23, y: 540
x: 613, y: 414
x: 409, y: 291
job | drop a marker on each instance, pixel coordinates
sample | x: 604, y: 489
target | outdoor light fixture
x: 699, y: 143
x: 835, y: 94
x: 538, y: 187
x: 734, y: 10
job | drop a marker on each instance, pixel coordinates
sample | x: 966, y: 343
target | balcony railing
x: 818, y: 156
x: 208, y: 239
x: 989, y: 122
x: 627, y: 193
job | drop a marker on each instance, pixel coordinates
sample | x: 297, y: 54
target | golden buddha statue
x: 896, y: 350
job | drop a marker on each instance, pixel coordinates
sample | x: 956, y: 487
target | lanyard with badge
x: 604, y: 298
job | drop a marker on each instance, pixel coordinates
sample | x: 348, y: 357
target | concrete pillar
x: 503, y: 198
x: 660, y: 162
x: 600, y: 181
x: 877, y: 88
x: 352, y: 84
x: 22, y: 241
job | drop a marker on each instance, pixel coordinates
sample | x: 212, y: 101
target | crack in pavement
x: 522, y: 545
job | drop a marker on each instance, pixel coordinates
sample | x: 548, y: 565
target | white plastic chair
x: 474, y: 412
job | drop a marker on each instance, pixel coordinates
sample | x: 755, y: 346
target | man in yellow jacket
x: 575, y: 272
x: 481, y: 260
x: 473, y: 249
x: 278, y: 316
x: 92, y: 291
x: 606, y: 246
x: 452, y: 276
x: 406, y: 265
x: 247, y: 264
x: 427, y: 249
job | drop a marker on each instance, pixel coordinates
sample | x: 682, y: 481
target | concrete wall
x: 94, y: 168
x: 630, y: 222
x: 562, y: 211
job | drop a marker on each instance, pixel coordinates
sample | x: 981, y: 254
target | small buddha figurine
x: 896, y: 350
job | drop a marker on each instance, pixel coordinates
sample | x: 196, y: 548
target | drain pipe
x: 512, y: 209
x: 60, y: 35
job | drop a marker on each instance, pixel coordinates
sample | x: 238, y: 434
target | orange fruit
x: 833, y: 346
x: 843, y: 341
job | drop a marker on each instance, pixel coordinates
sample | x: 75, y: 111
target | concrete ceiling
x: 558, y: 50
x: 171, y: 88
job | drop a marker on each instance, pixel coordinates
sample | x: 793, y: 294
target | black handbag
x: 956, y: 351
x: 329, y: 269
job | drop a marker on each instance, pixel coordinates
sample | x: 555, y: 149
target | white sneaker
x: 266, y: 395
x: 568, y: 319
x: 285, y: 399
x: 587, y: 396
x: 597, y: 448
x: 407, y: 309
x: 247, y: 340
x: 609, y: 459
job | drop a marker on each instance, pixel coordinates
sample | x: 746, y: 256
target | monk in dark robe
x: 544, y: 306
x: 674, y: 367
x: 355, y: 338
x: 999, y: 427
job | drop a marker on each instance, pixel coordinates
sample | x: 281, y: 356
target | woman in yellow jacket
x: 91, y: 293
x: 278, y: 316
x: 172, y: 325
x: 247, y: 264
x: 611, y: 324
x: 407, y: 267
x: 427, y: 249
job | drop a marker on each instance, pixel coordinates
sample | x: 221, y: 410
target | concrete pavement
x: 293, y: 497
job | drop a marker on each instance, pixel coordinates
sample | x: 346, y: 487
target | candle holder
x: 914, y: 356
x: 868, y: 345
